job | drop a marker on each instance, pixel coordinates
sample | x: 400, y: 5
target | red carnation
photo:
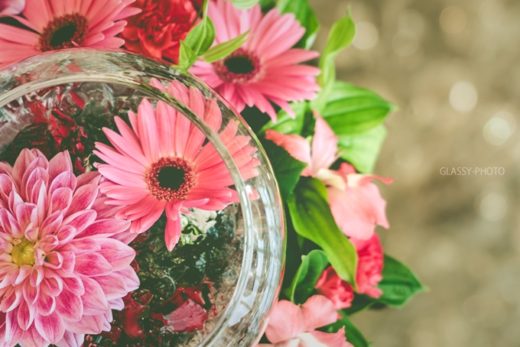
x: 368, y: 276
x: 158, y: 29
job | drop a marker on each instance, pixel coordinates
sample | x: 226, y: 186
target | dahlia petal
x: 112, y: 289
x: 50, y: 242
x: 117, y: 254
x: 83, y: 198
x: 105, y: 227
x: 94, y: 300
x: 13, y: 332
x: 31, y: 294
x: 45, y: 305
x: 10, y: 300
x: 63, y: 180
x: 60, y: 163
x: 24, y: 315
x: 23, y: 273
x: 52, y: 285
x: 54, y: 260
x: 60, y: 200
x: 74, y: 285
x: 71, y: 340
x: 91, y: 324
x: 69, y: 305
x: 51, y: 223
x: 81, y: 220
x: 50, y: 327
x: 92, y: 265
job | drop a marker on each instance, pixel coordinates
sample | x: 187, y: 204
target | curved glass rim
x: 130, y: 79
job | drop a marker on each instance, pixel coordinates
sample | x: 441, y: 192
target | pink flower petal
x: 318, y: 311
x: 279, y: 328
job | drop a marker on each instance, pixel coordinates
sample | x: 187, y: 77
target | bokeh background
x: 453, y: 69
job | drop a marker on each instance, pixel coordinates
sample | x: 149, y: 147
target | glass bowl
x: 160, y: 153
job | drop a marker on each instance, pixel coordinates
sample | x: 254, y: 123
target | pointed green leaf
x: 286, y: 169
x: 288, y: 124
x: 362, y: 149
x: 353, y: 110
x: 244, y: 4
x: 313, y: 220
x: 340, y: 36
x: 354, y: 336
x: 304, y: 281
x: 224, y: 49
x: 196, y: 43
x: 399, y: 284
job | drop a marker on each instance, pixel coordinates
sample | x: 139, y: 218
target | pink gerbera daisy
x: 266, y: 69
x: 58, y: 24
x: 161, y: 163
x: 62, y: 272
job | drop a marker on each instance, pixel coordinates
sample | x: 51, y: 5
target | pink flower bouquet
x: 116, y: 224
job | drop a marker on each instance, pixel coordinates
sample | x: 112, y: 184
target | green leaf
x: 340, y: 36
x: 362, y: 150
x: 244, y: 4
x: 310, y: 270
x: 399, y: 284
x: 313, y: 220
x: 197, y: 42
x: 287, y: 124
x: 353, y: 110
x: 286, y: 169
x: 186, y: 56
x: 361, y: 302
x: 305, y: 15
x: 354, y: 336
x: 224, y: 49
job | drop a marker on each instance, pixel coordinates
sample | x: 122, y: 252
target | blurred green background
x: 453, y: 69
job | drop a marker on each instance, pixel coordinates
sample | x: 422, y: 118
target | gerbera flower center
x: 64, y: 32
x: 170, y: 179
x: 23, y: 252
x: 241, y: 66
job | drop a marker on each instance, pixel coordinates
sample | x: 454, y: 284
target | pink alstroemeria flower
x: 355, y: 201
x: 291, y: 325
x: 11, y: 7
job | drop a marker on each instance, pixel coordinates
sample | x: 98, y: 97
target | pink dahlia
x: 266, y: 69
x: 62, y: 271
x: 11, y: 7
x: 161, y: 162
x: 355, y: 201
x: 58, y: 24
x: 293, y: 325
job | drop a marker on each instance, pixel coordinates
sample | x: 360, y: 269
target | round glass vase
x: 65, y: 102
